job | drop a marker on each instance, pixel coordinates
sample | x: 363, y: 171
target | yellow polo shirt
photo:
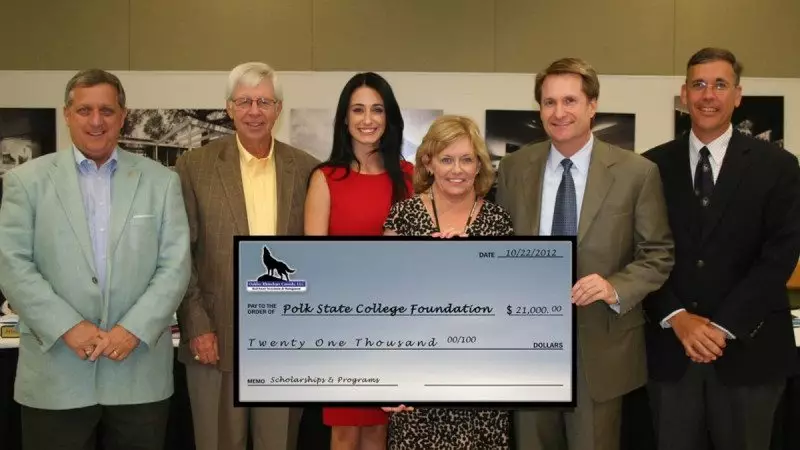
x: 260, y: 190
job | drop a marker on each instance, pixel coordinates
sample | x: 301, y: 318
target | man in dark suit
x: 720, y: 342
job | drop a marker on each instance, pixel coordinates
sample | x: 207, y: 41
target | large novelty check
x: 416, y: 321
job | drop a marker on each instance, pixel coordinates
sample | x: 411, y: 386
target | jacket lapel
x: 688, y: 211
x: 728, y: 180
x: 64, y: 177
x: 598, y: 183
x: 230, y: 175
x: 285, y: 181
x: 124, y: 182
x: 529, y: 192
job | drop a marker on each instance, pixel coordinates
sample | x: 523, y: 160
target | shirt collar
x: 85, y: 163
x: 580, y: 160
x: 717, y: 147
x: 247, y: 157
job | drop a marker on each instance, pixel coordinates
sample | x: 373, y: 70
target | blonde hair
x: 445, y: 131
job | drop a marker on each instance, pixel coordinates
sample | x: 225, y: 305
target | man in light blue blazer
x: 94, y: 257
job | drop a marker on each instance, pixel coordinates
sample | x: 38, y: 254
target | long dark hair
x: 391, y: 143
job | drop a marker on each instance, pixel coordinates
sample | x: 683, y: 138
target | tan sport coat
x: 623, y: 235
x: 212, y: 189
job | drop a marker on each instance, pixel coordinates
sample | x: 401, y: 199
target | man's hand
x: 83, y: 338
x: 120, y: 343
x: 204, y: 348
x: 702, y: 341
x: 592, y: 288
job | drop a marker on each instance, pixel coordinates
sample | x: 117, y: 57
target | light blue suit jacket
x: 47, y: 273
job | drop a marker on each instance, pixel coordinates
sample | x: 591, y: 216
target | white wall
x: 649, y: 97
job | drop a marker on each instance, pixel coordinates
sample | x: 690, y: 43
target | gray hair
x: 94, y: 77
x: 712, y: 54
x: 251, y: 74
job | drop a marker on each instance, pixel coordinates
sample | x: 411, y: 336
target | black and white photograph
x: 7, y: 315
x: 509, y: 130
x: 758, y: 116
x: 25, y: 133
x: 165, y: 134
x: 312, y: 130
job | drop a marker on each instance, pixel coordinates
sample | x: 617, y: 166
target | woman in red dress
x: 350, y: 195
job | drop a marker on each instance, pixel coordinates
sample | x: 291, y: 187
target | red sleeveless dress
x: 360, y: 204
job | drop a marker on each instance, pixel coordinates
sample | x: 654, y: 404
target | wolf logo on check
x: 274, y: 268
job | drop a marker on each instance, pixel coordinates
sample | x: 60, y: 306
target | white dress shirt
x: 717, y: 149
x: 553, y: 171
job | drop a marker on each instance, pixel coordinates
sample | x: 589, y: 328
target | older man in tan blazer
x: 611, y: 199
x: 246, y: 184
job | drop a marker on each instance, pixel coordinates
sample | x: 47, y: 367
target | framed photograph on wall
x: 757, y: 116
x: 165, y: 134
x: 312, y: 130
x: 509, y: 130
x: 25, y: 133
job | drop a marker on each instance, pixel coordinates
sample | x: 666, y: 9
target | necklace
x: 436, y: 214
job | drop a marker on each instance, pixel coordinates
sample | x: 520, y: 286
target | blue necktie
x: 565, y: 215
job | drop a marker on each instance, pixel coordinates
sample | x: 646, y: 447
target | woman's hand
x: 451, y: 233
x: 397, y: 409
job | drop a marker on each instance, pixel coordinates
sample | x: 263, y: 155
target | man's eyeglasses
x: 717, y: 86
x: 264, y: 104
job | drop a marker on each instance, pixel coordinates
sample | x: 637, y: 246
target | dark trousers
x: 698, y: 408
x: 123, y: 427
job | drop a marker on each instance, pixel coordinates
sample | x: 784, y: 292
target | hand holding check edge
x: 592, y: 288
x: 397, y: 409
x: 451, y: 233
